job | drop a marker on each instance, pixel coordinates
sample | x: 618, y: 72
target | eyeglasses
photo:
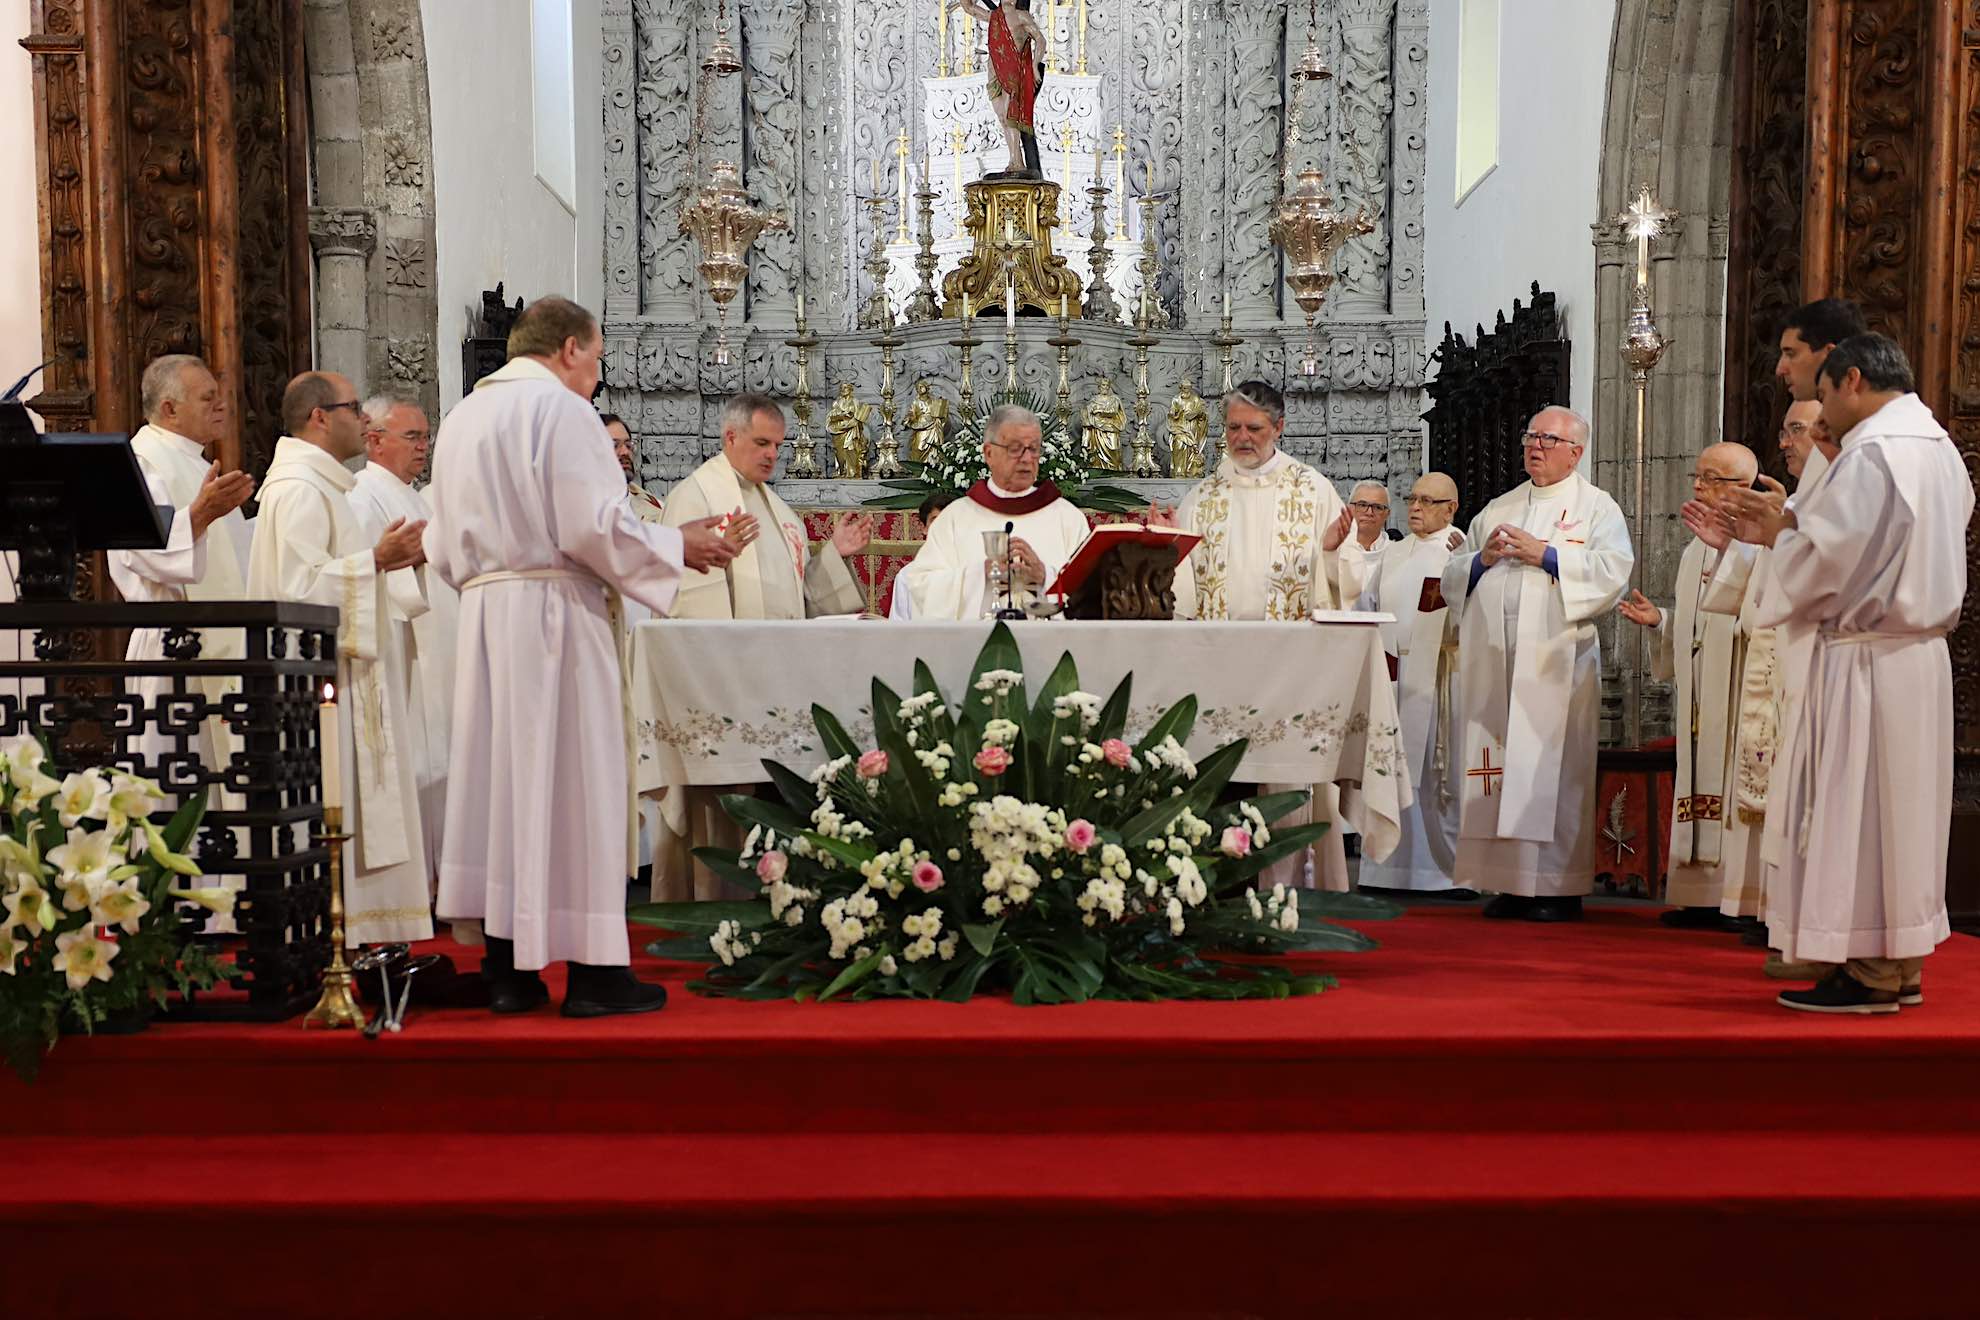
x: 1424, y: 500
x: 410, y: 437
x: 1543, y: 441
x: 1718, y: 481
x: 353, y: 404
x: 1796, y: 428
x: 1367, y: 506
x: 1016, y: 451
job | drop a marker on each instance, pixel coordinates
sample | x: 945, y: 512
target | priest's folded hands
x: 1514, y: 543
x: 400, y: 547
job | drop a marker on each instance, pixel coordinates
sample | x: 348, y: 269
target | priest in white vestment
x: 646, y: 506
x: 947, y: 579
x: 776, y: 575
x: 204, y: 558
x: 425, y: 610
x: 1541, y: 565
x: 310, y: 547
x: 1869, y: 575
x: 1698, y: 650
x: 1272, y: 529
x: 1423, y: 653
x: 530, y: 525
x: 1362, y: 554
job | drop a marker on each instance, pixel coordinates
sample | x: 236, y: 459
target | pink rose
x: 927, y: 877
x: 1236, y: 841
x: 873, y: 764
x: 770, y: 867
x: 993, y: 760
x: 1080, y: 835
x: 1118, y: 753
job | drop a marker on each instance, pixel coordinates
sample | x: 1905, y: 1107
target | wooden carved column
x: 1857, y: 174
x: 171, y: 159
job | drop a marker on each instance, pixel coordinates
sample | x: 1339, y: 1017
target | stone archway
x: 1668, y: 124
x: 371, y: 218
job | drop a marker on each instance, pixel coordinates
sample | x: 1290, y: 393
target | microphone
x: 22, y: 383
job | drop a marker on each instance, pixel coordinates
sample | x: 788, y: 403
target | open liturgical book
x: 1102, y: 539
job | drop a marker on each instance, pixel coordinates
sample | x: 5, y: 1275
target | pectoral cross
x: 1487, y: 772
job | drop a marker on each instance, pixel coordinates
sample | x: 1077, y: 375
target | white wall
x: 494, y: 220
x: 1529, y: 218
x: 20, y: 237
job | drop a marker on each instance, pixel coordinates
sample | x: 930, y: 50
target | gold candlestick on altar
x: 1010, y: 342
x: 804, y: 449
x: 1142, y: 462
x: 942, y: 39
x: 336, y: 1007
x: 901, y: 188
x: 968, y: 44
x: 1226, y: 344
x: 1065, y: 342
x: 1051, y: 36
x: 887, y: 459
x: 966, y: 341
x: 1100, y: 305
x: 925, y: 306
x: 876, y: 263
x: 1120, y: 181
x: 1080, y: 68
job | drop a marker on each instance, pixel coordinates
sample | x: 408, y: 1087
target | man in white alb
x: 530, y: 525
x: 1869, y: 575
x: 309, y: 546
x: 1541, y: 564
x: 425, y: 610
x: 644, y: 503
x: 948, y: 577
x: 1362, y: 553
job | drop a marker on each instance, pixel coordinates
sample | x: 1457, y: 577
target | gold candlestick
x: 1010, y: 357
x: 1065, y: 342
x: 942, y: 28
x: 956, y: 192
x: 1080, y: 68
x: 1051, y: 36
x: 968, y: 44
x: 1149, y: 269
x: 966, y: 341
x: 804, y: 449
x: 1100, y: 305
x: 900, y: 186
x: 887, y: 459
x: 876, y: 264
x: 1066, y: 150
x: 1226, y: 343
x: 1142, y: 462
x: 336, y: 1007
x: 926, y: 306
x: 1120, y: 181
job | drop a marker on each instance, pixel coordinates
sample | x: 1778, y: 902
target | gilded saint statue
x: 847, y: 422
x: 1189, y: 431
x: 1104, y: 420
x: 927, y: 423
x: 1017, y: 68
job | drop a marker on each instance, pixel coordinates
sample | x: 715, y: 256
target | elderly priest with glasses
x: 1541, y: 565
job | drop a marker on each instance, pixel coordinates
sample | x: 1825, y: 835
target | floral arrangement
x: 1014, y: 845
x: 91, y: 929
x: 957, y: 464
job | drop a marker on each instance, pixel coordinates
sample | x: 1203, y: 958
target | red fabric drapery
x: 1014, y: 73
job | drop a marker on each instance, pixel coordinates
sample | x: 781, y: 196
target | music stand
x: 61, y: 494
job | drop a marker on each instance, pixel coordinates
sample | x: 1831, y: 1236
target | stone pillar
x: 1361, y: 162
x: 665, y: 110
x: 770, y: 90
x: 620, y: 66
x: 1258, y: 30
x: 343, y: 238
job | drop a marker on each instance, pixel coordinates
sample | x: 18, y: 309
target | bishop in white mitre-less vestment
x: 425, y: 615
x: 1264, y: 555
x: 776, y: 576
x: 309, y: 546
x: 531, y: 525
x: 1410, y: 576
x: 1867, y: 581
x: 1530, y: 676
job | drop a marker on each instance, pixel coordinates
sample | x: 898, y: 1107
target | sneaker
x: 1912, y: 996
x: 1839, y: 992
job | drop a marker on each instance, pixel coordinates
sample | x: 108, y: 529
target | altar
x: 714, y: 699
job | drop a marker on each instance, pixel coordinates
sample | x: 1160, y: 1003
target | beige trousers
x: 1886, y: 973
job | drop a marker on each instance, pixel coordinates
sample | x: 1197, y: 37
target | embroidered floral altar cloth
x: 712, y: 698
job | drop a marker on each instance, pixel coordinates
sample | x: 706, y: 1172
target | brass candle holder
x: 804, y: 448
x: 966, y: 342
x: 1010, y: 357
x: 887, y: 458
x: 1141, y: 462
x: 336, y: 1007
x: 1226, y: 343
x: 1100, y: 305
x: 872, y: 316
x: 926, y: 306
x: 1065, y: 341
x: 1155, y: 316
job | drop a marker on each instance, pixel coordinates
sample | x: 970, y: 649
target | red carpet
x: 1609, y: 1119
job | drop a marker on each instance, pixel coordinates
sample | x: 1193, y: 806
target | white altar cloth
x: 713, y: 698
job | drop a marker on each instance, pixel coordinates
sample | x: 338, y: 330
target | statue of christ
x: 1017, y: 68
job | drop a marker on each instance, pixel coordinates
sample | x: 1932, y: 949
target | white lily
x: 11, y: 950
x: 120, y: 905
x: 83, y: 863
x: 18, y: 861
x: 164, y: 856
x: 21, y: 759
x: 29, y: 906
x: 132, y: 798
x: 212, y: 898
x: 85, y: 795
x: 31, y: 790
x: 81, y: 957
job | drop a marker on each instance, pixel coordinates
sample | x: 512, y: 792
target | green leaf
x: 1176, y: 722
x: 1346, y: 907
x: 833, y: 734
x: 1234, y: 873
x: 983, y: 938
x: 846, y: 850
x: 682, y: 948
x: 1113, y: 715
x: 904, y: 502
x: 749, y: 810
x: 727, y: 863
x: 1325, y: 936
x: 796, y: 791
x: 1272, y: 806
x: 179, y: 831
x: 700, y: 918
x: 852, y: 975
x: 1042, y: 749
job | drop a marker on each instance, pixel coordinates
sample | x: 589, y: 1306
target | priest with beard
x: 1406, y: 582
x: 1272, y: 529
x: 1541, y: 564
x: 948, y: 577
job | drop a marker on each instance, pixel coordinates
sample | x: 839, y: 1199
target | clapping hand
x: 1758, y: 516
x: 705, y: 546
x: 400, y: 546
x: 1161, y: 515
x: 1456, y: 541
x: 219, y: 495
x: 1638, y: 610
x: 739, y: 529
x: 1338, y: 530
x: 1708, y: 523
x: 853, y: 534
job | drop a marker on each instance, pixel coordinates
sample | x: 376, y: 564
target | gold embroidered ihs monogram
x: 1289, y: 580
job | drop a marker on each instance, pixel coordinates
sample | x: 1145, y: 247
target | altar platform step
x: 1615, y: 1024
x: 1170, y: 1224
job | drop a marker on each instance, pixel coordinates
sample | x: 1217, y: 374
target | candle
x: 942, y: 25
x: 966, y: 310
x: 1051, y: 35
x: 331, y: 749
x: 1096, y: 167
x: 1062, y: 307
x: 875, y: 163
x: 1149, y: 166
x: 1010, y: 304
x: 1227, y: 300
x: 800, y: 306
x: 1080, y: 68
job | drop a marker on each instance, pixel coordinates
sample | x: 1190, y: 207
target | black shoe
x: 1754, y: 935
x: 1505, y: 907
x: 510, y: 991
x: 1912, y: 996
x: 1839, y: 992
x: 1452, y: 895
x: 1695, y: 918
x: 608, y: 991
x: 1555, y: 909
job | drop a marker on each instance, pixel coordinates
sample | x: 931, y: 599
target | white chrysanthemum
x: 1175, y: 915
x: 1000, y: 733
x: 1082, y: 705
x: 948, y: 945
x: 1257, y: 908
x: 999, y: 681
